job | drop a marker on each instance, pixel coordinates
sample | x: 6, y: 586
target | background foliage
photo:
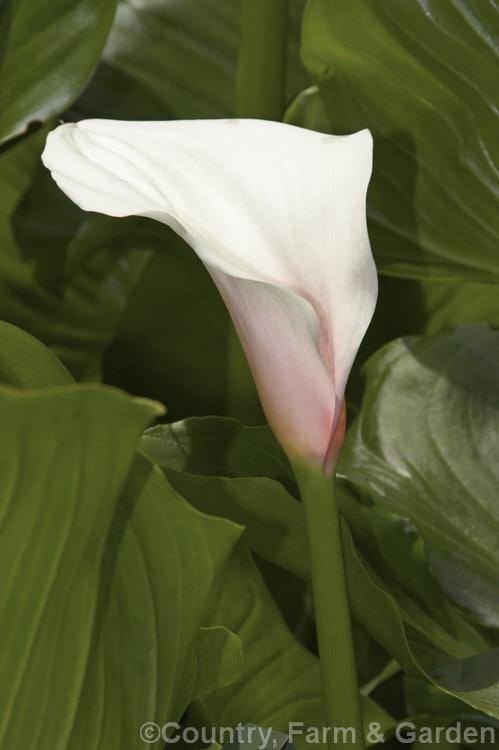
x: 132, y: 592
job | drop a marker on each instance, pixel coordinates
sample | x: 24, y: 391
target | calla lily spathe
x: 277, y: 215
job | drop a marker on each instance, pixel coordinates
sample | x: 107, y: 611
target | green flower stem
x: 260, y: 93
x: 261, y: 64
x: 332, y: 614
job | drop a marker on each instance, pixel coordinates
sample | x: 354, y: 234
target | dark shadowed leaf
x: 174, y: 327
x: 77, y: 316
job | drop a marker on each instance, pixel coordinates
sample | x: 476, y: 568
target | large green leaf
x: 437, y: 465
x: 107, y: 573
x: 65, y: 454
x: 48, y: 51
x: 422, y: 77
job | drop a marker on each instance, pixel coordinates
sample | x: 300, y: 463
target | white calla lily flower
x: 277, y: 215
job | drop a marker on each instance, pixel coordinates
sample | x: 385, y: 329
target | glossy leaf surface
x: 437, y: 466
x: 48, y: 51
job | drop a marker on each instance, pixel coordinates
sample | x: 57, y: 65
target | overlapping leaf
x: 405, y: 618
x: 280, y: 681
